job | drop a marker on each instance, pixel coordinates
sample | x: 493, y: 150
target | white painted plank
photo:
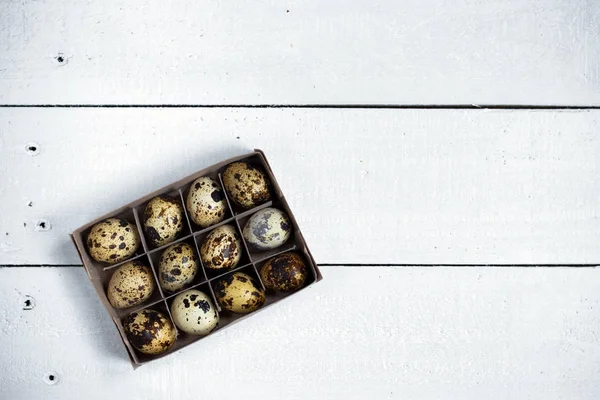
x: 300, y: 52
x: 367, y: 186
x: 410, y: 333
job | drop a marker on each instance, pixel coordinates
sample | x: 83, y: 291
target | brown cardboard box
x: 100, y: 274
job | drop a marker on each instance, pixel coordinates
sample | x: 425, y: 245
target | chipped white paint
x: 367, y: 186
x: 380, y: 333
x: 300, y: 52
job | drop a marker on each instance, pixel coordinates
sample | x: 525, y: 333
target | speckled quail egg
x: 285, y: 273
x: 194, y: 313
x: 239, y: 293
x: 177, y: 267
x: 247, y: 186
x: 113, y: 240
x: 267, y: 229
x: 206, y: 202
x: 149, y: 331
x: 221, y: 249
x: 130, y: 284
x: 163, y: 220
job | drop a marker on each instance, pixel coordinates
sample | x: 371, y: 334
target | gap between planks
x: 343, y: 106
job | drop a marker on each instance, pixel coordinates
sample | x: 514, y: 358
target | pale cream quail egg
x: 221, y: 249
x: 113, y: 240
x: 267, y: 229
x: 206, y: 202
x: 194, y: 313
x: 149, y: 331
x: 239, y: 293
x: 130, y: 284
x: 247, y: 185
x: 177, y: 267
x: 163, y: 220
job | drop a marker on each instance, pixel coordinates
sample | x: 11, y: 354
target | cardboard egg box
x: 250, y: 263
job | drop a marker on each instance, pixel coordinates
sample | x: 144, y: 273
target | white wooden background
x: 390, y: 200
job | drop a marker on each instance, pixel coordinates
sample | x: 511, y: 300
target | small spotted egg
x: 163, y: 220
x: 267, y: 229
x: 205, y: 202
x: 113, y: 240
x: 149, y: 331
x: 285, y: 273
x: 239, y: 293
x: 194, y: 313
x: 177, y: 267
x: 221, y: 249
x: 247, y: 186
x: 130, y: 285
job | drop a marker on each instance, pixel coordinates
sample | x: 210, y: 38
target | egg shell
x: 239, y: 293
x: 267, y: 229
x: 163, y: 220
x: 247, y: 186
x: 285, y: 273
x: 221, y: 249
x: 193, y: 312
x: 149, y: 331
x: 113, y: 240
x: 131, y: 284
x: 206, y: 202
x: 177, y: 267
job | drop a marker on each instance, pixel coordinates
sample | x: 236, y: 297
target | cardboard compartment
x: 105, y: 275
x: 140, y: 211
x: 185, y: 190
x: 157, y: 255
x: 184, y: 339
x: 201, y: 238
x: 205, y: 280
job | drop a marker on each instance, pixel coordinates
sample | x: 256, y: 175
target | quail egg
x: 221, y: 249
x: 113, y: 240
x: 239, y: 293
x: 247, y: 186
x: 163, y: 220
x: 149, y: 331
x: 177, y: 267
x: 285, y: 273
x: 130, y: 284
x: 206, y: 202
x: 267, y: 229
x: 194, y: 313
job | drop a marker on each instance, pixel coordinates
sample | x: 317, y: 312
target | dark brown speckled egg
x: 130, y: 285
x: 177, y: 267
x: 285, y: 273
x: 149, y: 331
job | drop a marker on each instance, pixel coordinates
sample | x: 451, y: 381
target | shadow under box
x: 195, y: 228
x: 173, y: 195
x: 157, y: 255
x: 257, y: 163
x: 201, y: 237
x: 290, y: 244
x: 106, y: 274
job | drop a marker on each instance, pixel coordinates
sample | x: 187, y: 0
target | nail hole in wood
x: 32, y: 149
x: 28, y: 303
x: 43, y: 225
x: 51, y: 379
